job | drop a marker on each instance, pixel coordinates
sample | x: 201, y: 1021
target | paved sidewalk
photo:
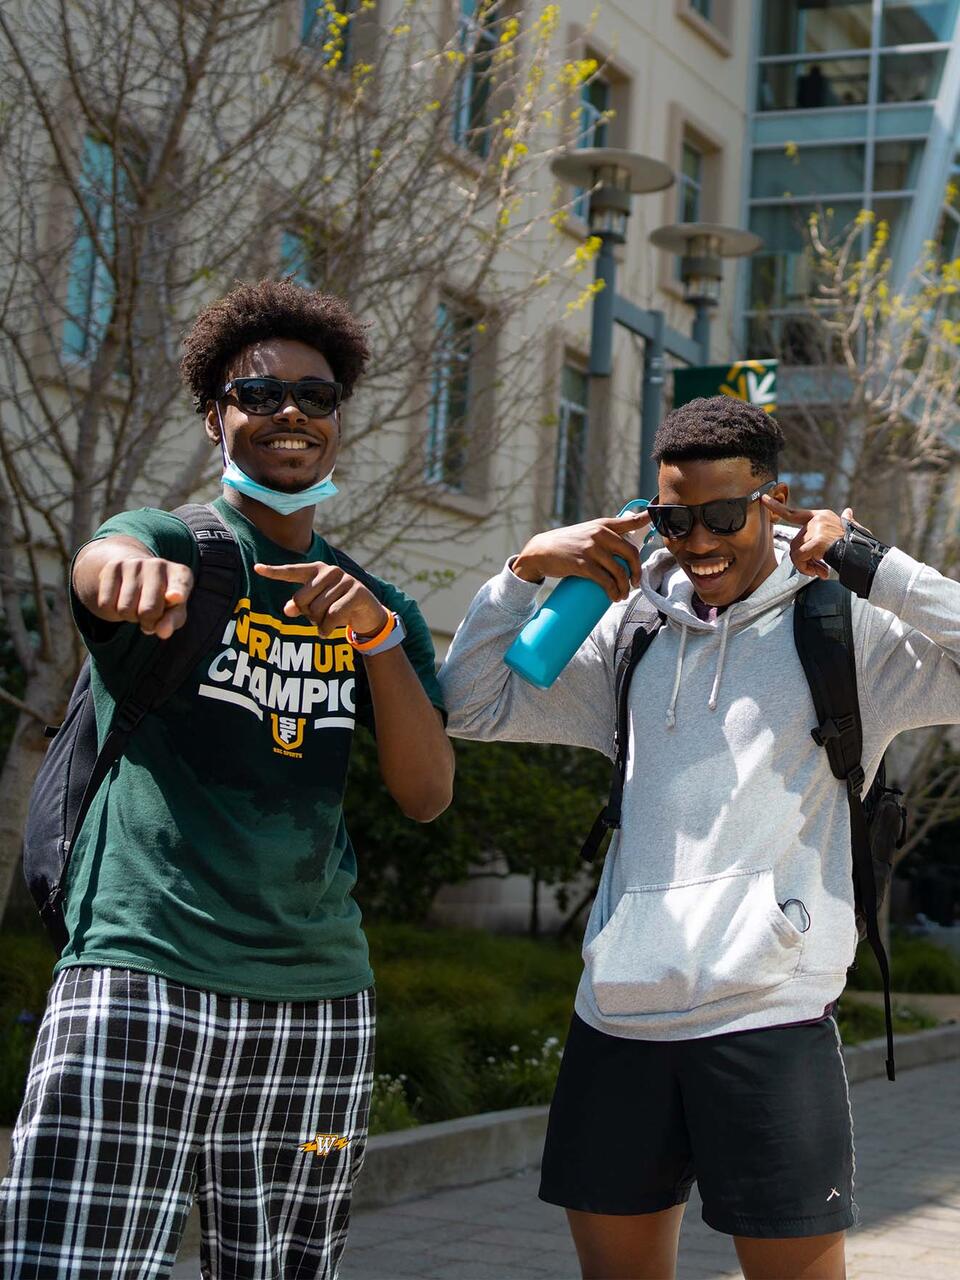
x: 907, y: 1185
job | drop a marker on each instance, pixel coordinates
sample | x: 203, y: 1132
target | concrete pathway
x: 907, y: 1186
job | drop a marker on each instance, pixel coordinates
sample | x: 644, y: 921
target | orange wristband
x: 364, y: 646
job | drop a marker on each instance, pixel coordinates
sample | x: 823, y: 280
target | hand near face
x: 592, y: 550
x: 819, y: 530
x: 328, y: 597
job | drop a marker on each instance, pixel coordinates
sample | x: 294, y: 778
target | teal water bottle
x: 561, y: 624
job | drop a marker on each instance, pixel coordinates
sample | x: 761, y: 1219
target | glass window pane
x: 780, y: 273
x: 320, y: 28
x: 810, y: 171
x: 815, y: 26
x: 571, y: 444
x: 448, y: 439
x: 90, y: 286
x: 787, y: 86
x: 910, y: 77
x: 895, y: 165
x: 909, y: 22
x: 894, y: 213
x: 703, y: 7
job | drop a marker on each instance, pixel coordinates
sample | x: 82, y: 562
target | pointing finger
x: 790, y: 515
x: 632, y: 520
x: 286, y: 572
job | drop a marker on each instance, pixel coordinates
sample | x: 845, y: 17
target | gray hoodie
x: 726, y: 900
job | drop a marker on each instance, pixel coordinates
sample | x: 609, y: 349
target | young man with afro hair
x: 210, y: 1028
x: 703, y: 1045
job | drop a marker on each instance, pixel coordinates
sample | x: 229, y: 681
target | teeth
x: 288, y: 444
x: 709, y: 571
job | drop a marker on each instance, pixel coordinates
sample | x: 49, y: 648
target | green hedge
x: 467, y: 1021
x: 916, y: 965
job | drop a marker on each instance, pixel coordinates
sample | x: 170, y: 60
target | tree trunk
x: 45, y: 691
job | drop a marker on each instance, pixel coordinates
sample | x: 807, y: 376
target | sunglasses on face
x: 316, y: 397
x: 723, y: 516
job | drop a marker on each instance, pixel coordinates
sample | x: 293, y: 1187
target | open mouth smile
x: 288, y: 444
x: 709, y: 572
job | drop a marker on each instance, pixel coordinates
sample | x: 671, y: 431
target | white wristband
x: 396, y: 636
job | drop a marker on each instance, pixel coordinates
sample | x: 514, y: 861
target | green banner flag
x: 752, y: 380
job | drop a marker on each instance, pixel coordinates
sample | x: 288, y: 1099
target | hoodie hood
x: 667, y: 587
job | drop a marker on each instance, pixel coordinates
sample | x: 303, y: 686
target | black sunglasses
x: 722, y: 516
x: 316, y: 397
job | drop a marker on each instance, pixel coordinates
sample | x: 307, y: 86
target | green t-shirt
x: 216, y: 853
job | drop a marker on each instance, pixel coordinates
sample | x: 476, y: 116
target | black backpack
x: 823, y: 632
x: 73, y: 770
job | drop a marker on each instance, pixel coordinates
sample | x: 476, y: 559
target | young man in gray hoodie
x: 703, y: 1044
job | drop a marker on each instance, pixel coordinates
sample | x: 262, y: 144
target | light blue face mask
x: 283, y: 503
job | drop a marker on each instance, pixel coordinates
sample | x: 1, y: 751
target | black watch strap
x: 856, y: 557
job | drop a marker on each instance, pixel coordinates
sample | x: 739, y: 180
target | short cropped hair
x: 271, y: 309
x: 720, y: 427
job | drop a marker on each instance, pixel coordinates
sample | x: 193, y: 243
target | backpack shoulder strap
x: 823, y: 632
x: 639, y: 625
x: 212, y: 600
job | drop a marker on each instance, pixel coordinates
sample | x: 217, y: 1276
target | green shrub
x: 389, y: 1107
x: 859, y: 1021
x: 916, y: 965
x: 16, y: 1046
x: 423, y: 1047
x: 525, y: 1077
x: 26, y: 971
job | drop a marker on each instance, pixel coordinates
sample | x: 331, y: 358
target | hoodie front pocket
x: 671, y: 948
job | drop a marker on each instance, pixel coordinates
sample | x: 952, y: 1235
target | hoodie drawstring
x: 714, y: 692
x: 672, y: 709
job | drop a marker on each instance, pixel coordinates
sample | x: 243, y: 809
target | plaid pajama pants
x: 143, y: 1093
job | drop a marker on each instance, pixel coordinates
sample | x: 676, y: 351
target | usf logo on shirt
x: 286, y: 674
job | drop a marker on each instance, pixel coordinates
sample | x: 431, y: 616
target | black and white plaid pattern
x: 143, y: 1092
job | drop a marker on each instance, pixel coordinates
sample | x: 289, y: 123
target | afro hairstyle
x: 252, y: 313
x: 720, y: 427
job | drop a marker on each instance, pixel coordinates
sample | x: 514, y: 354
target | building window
x: 594, y: 119
x: 690, y: 183
x: 303, y: 256
x: 326, y: 26
x: 478, y: 42
x: 814, y: 27
x: 449, y: 431
x: 704, y: 8
x: 909, y: 22
x: 90, y: 284
x: 571, y: 445
x: 808, y: 171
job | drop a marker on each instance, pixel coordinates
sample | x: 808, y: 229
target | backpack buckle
x: 835, y: 727
x: 855, y: 780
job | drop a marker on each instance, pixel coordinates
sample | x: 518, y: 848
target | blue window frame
x: 319, y: 27
x: 298, y: 258
x: 477, y: 40
x: 448, y: 436
x: 90, y: 285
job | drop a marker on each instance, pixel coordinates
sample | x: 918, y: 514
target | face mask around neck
x: 285, y: 504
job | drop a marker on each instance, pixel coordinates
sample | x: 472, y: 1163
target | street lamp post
x: 702, y: 246
x: 612, y: 177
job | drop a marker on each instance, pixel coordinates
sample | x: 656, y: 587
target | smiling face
x: 285, y: 450
x: 722, y: 568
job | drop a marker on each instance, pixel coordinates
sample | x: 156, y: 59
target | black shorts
x: 759, y: 1119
